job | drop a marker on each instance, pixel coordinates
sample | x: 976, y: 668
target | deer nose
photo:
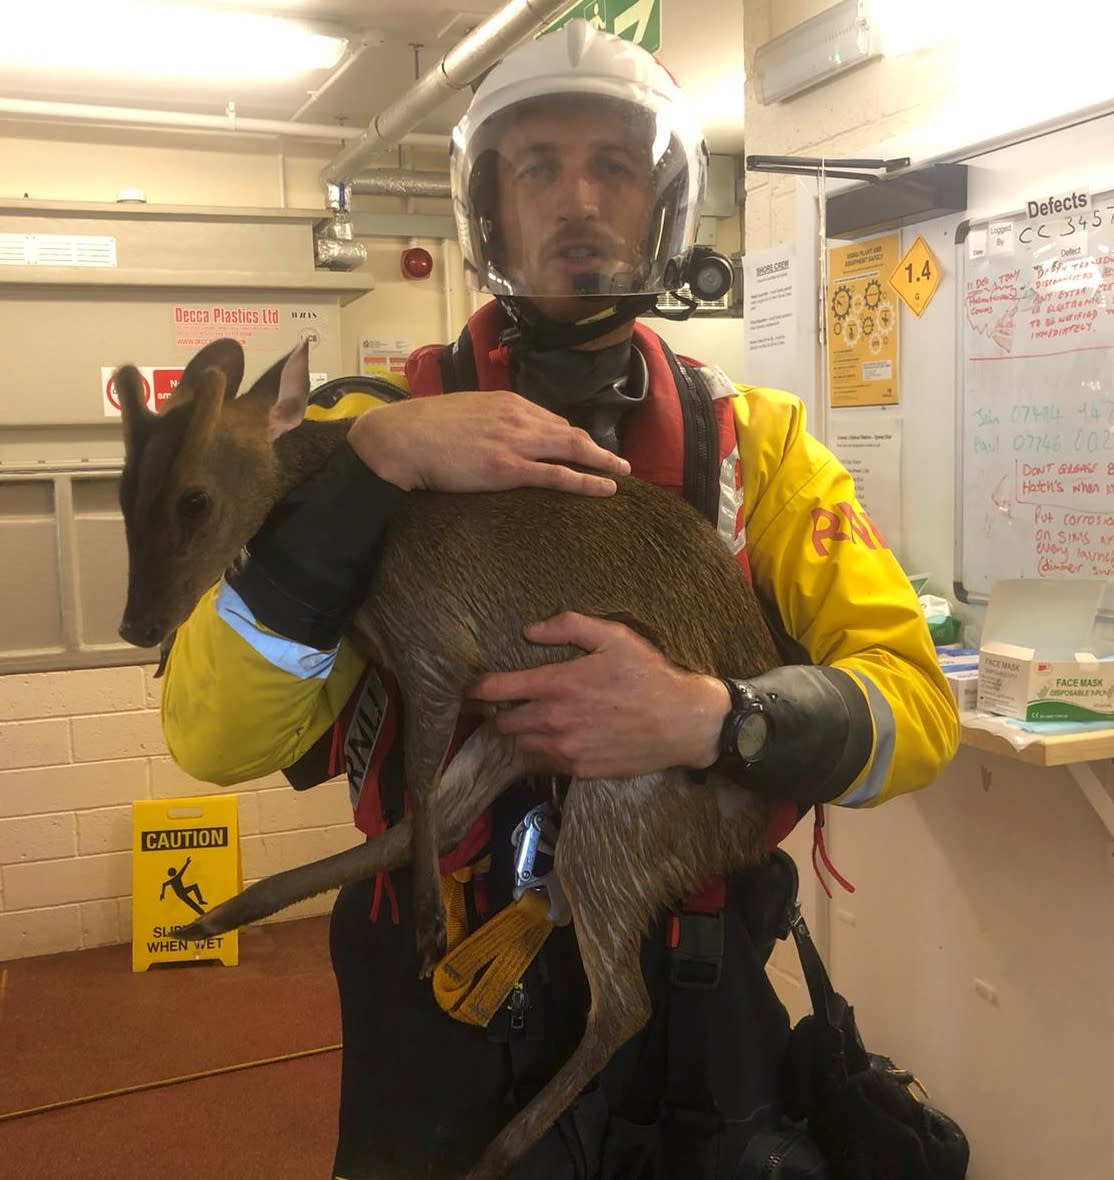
x: 140, y: 634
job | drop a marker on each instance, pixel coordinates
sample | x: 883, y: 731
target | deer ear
x: 225, y: 355
x: 136, y: 416
x: 205, y: 406
x: 289, y: 406
x: 209, y: 393
x: 281, y: 393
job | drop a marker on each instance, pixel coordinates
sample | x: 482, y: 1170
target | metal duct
x: 329, y: 254
x: 333, y: 247
x: 399, y: 183
x: 477, y: 52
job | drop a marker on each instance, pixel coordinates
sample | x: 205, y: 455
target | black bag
x: 860, y: 1109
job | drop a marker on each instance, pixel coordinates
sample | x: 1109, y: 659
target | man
x: 577, y: 179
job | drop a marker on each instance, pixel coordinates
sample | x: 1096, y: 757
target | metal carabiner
x: 535, y: 845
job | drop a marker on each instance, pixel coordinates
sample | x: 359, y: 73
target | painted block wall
x: 76, y: 749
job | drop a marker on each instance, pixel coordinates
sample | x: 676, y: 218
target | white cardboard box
x: 964, y: 686
x: 1036, y: 661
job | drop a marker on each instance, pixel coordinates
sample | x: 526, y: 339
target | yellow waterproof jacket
x: 240, y: 702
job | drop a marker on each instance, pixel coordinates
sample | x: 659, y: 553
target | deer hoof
x: 432, y: 944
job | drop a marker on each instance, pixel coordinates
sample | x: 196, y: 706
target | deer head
x: 199, y: 478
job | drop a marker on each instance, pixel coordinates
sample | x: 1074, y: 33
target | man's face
x: 574, y: 201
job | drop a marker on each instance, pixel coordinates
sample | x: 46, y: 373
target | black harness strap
x: 701, y: 465
x: 458, y: 365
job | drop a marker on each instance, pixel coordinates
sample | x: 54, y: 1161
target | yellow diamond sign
x: 916, y: 276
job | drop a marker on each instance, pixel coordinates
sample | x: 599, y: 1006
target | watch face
x: 750, y: 738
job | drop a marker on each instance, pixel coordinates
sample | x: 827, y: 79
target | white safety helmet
x: 573, y: 66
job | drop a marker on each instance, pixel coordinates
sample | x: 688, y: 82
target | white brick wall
x: 76, y: 749
x: 887, y: 99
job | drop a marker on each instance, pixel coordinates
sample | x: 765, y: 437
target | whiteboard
x: 1035, y: 427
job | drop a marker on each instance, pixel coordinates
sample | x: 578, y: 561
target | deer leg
x: 427, y: 734
x: 483, y: 766
x: 620, y: 1007
x: 386, y: 852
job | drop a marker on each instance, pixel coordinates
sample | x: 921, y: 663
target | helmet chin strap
x: 533, y: 331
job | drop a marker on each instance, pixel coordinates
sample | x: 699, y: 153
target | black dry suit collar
x: 532, y: 330
x: 593, y: 390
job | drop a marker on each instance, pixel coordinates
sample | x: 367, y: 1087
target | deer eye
x: 192, y: 506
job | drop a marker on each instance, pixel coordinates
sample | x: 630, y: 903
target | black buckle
x: 697, y: 954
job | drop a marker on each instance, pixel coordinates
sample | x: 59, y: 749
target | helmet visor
x: 574, y: 194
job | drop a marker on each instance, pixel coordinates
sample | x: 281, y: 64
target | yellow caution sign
x: 916, y: 276
x: 185, y: 860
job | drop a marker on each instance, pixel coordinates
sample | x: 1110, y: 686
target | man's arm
x: 843, y: 596
x: 872, y: 719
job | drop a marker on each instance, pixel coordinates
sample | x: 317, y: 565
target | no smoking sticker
x: 158, y: 384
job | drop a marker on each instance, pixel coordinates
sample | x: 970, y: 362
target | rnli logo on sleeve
x: 844, y: 522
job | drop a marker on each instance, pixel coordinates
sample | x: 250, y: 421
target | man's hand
x: 480, y: 442
x: 622, y: 709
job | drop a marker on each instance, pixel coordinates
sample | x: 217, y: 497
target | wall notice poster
x: 384, y: 354
x: 868, y: 444
x: 773, y: 294
x: 862, y: 323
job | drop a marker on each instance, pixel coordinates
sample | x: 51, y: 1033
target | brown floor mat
x: 273, y: 1123
x: 79, y: 1024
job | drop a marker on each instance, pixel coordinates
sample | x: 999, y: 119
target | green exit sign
x: 636, y: 20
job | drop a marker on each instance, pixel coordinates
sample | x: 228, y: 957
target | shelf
x: 349, y: 285
x: 1056, y: 750
x: 1073, y: 752
x: 128, y: 210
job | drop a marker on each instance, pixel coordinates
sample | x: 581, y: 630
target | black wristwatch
x: 748, y: 727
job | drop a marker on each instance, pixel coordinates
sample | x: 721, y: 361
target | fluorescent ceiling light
x: 129, y: 38
x: 814, y: 51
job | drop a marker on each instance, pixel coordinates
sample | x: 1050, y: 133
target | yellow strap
x: 456, y: 908
x: 472, y: 982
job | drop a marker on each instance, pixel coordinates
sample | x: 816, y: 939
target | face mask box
x: 1035, y: 659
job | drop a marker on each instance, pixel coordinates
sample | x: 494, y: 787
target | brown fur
x: 458, y: 579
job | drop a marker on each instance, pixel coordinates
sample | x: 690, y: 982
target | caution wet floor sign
x: 185, y: 860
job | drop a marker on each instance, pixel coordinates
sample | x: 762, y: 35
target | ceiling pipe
x: 384, y: 182
x: 467, y: 60
x: 229, y: 122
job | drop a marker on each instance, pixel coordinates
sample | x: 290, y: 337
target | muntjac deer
x: 458, y: 579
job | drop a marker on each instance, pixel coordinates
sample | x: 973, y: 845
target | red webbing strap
x: 819, y: 850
